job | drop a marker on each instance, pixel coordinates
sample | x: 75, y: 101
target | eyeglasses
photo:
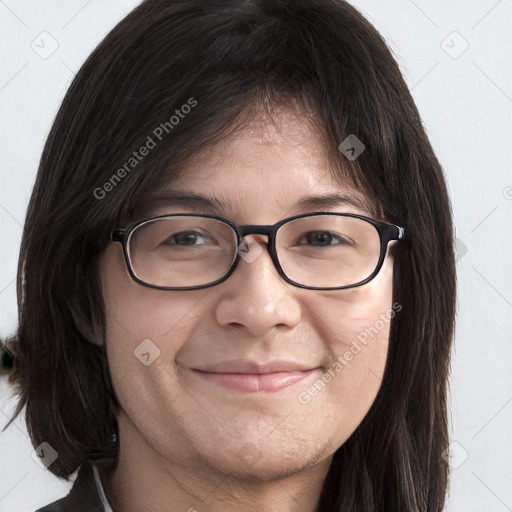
x: 317, y: 251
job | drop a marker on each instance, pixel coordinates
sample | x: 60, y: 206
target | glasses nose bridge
x: 256, y: 229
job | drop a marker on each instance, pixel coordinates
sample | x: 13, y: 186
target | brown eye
x: 325, y: 239
x: 187, y: 238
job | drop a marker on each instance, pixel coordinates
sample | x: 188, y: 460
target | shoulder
x: 83, y: 496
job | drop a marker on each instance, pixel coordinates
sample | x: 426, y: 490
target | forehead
x: 264, y: 143
x: 267, y: 167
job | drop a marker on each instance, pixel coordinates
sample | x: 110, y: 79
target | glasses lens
x: 328, y: 250
x: 182, y: 251
x: 320, y: 250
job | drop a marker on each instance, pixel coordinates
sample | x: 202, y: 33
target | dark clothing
x: 86, y: 495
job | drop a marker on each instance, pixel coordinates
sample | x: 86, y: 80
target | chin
x: 251, y: 464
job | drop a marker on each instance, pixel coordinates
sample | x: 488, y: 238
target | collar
x: 99, y: 487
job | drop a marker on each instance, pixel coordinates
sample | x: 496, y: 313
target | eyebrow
x: 204, y: 204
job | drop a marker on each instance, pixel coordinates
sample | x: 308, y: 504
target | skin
x: 180, y: 435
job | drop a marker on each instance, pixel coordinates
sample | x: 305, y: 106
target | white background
x: 465, y: 99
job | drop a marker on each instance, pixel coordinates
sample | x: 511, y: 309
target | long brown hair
x: 326, y: 60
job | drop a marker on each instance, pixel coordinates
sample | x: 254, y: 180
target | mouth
x: 269, y: 382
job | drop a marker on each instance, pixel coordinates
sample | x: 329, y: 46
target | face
x: 204, y: 421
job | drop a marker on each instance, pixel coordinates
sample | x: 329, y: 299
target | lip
x: 254, y: 382
x: 251, y: 376
x: 242, y: 366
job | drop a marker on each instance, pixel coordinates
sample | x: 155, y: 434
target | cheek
x: 361, y: 313
x: 138, y: 310
x: 144, y: 325
x: 354, y: 325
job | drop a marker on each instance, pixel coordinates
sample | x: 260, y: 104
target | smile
x: 252, y: 383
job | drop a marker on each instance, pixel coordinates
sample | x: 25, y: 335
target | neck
x: 144, y: 480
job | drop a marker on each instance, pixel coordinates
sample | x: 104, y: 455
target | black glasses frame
x: 387, y: 233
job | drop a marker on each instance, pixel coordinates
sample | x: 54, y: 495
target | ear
x: 90, y: 329
x: 96, y: 335
x: 7, y: 360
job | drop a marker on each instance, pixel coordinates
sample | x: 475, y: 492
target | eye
x: 187, y: 238
x: 326, y: 238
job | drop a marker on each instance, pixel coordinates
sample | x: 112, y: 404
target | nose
x: 255, y: 296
